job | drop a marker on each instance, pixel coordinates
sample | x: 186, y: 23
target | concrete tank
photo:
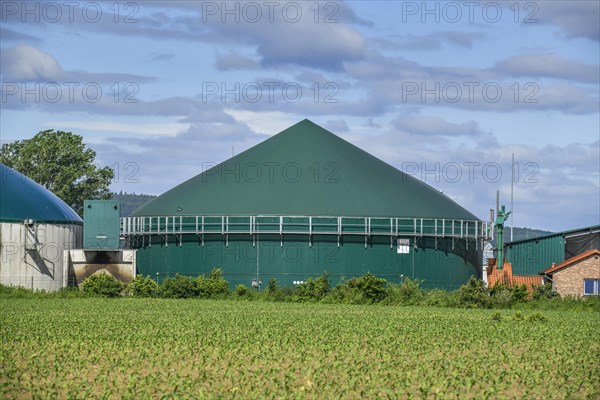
x: 36, y: 228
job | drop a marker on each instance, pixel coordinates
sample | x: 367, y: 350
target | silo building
x: 36, y: 227
x: 301, y: 203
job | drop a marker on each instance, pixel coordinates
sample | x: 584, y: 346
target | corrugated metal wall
x: 440, y: 265
x: 35, y: 260
x: 529, y: 257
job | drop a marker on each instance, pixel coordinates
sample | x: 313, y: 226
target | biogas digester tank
x: 36, y: 227
x: 300, y: 203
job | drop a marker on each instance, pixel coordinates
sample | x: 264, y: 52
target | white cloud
x: 551, y: 65
x: 139, y: 129
x: 578, y: 18
x: 327, y: 46
x: 336, y: 125
x: 431, y: 41
x: 268, y: 122
x: 235, y: 61
x: 435, y: 126
x: 27, y: 63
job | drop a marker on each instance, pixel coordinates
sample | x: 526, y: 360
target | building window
x: 591, y: 286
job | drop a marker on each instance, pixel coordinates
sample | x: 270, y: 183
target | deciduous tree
x: 62, y: 163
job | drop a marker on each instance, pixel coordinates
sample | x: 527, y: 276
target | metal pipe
x: 512, y: 184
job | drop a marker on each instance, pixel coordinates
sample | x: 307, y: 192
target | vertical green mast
x: 499, y: 225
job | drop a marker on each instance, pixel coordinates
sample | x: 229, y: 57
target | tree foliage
x: 364, y: 289
x: 474, y: 294
x: 62, y: 163
x: 241, y: 290
x: 212, y: 285
x: 131, y: 201
x: 543, y: 292
x: 103, y: 285
x: 275, y: 292
x: 179, y: 287
x: 407, y: 293
x: 313, y: 289
x: 143, y: 286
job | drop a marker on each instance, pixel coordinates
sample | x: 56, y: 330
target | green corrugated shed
x: 101, y: 229
x: 305, y: 170
x: 530, y: 256
x: 21, y: 198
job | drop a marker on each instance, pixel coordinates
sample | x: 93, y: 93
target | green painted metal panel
x: 101, y: 227
x: 305, y: 170
x: 21, y: 198
x: 440, y: 264
x: 529, y: 257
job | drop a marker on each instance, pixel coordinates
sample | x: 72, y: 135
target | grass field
x: 160, y: 348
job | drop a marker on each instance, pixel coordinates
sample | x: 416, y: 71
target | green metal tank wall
x: 443, y: 267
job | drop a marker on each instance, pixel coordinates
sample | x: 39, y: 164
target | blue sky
x: 442, y: 90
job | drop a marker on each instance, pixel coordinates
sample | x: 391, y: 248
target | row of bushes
x: 179, y: 287
x: 367, y: 289
x: 105, y: 285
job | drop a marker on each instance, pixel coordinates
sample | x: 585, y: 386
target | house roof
x: 526, y: 280
x: 305, y: 170
x: 571, y: 261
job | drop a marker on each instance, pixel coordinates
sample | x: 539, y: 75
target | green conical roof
x: 305, y: 170
x: 21, y: 198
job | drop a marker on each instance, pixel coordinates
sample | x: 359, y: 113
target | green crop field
x: 160, y: 348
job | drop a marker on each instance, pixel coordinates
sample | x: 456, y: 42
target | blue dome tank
x: 22, y: 198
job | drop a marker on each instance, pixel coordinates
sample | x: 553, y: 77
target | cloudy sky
x: 442, y: 90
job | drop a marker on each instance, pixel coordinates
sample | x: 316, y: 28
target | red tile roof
x: 571, y: 261
x: 505, y: 276
x: 527, y: 280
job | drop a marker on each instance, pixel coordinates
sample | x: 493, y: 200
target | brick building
x: 530, y: 256
x: 572, y: 255
x: 576, y: 276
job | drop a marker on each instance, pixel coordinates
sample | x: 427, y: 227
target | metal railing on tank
x: 139, y: 230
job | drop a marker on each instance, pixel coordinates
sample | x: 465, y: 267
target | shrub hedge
x: 366, y: 289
